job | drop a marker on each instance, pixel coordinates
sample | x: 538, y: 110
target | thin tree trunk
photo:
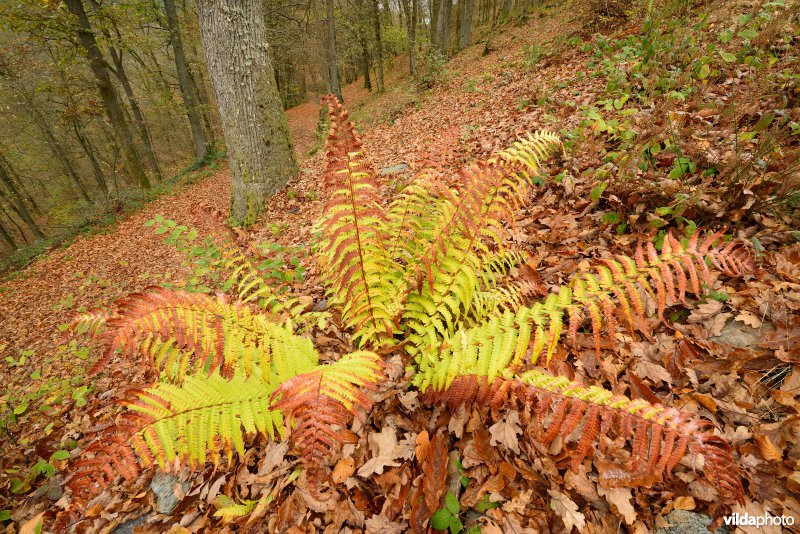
x: 190, y: 99
x: 108, y: 94
x: 376, y: 16
x: 365, y: 63
x: 4, y: 209
x: 56, y: 148
x: 466, y: 23
x: 256, y: 133
x: 19, y: 206
x: 99, y: 177
x: 434, y: 6
x: 7, y: 238
x: 333, y: 67
x: 412, y: 39
x: 138, y: 116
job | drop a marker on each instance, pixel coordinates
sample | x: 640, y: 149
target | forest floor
x: 662, y: 132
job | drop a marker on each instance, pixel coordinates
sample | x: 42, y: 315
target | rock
x: 128, y: 526
x: 686, y: 522
x: 738, y: 334
x: 394, y: 169
x: 163, y: 486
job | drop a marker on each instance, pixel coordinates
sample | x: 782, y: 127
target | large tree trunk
x: 443, y: 26
x: 376, y: 17
x: 365, y: 63
x: 257, y: 136
x: 108, y: 94
x: 466, y: 23
x: 190, y: 99
x: 333, y: 67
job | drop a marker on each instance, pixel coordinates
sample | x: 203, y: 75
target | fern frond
x: 197, y: 421
x: 325, y: 399
x: 216, y: 333
x: 92, y: 323
x: 359, y: 273
x: 552, y: 406
x: 252, y: 287
x: 229, y: 510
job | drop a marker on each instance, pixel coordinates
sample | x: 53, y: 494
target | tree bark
x: 365, y: 63
x: 99, y: 177
x: 19, y: 206
x: 56, y: 148
x: 7, y: 238
x: 376, y: 17
x: 190, y: 99
x: 138, y: 115
x: 256, y: 133
x: 443, y: 26
x: 333, y: 66
x: 466, y: 23
x: 108, y: 94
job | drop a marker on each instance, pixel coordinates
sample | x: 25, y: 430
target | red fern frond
x: 553, y: 406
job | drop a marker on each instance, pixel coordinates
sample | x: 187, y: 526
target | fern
x: 429, y: 275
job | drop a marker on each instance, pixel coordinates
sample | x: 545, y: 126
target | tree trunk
x: 99, y: 177
x: 18, y: 203
x: 443, y: 26
x: 7, y: 238
x: 190, y: 100
x: 376, y: 16
x: 466, y: 23
x: 108, y: 94
x: 365, y: 63
x: 257, y: 136
x: 55, y: 147
x: 434, y: 6
x: 138, y: 116
x: 333, y: 67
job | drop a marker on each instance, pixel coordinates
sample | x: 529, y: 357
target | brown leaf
x: 566, y: 510
x: 620, y: 498
x: 768, y: 450
x: 684, y: 503
x: 344, y: 469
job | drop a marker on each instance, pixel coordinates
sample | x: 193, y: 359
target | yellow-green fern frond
x: 229, y: 510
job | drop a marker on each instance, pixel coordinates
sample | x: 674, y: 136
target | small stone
x: 738, y: 334
x: 163, y: 486
x: 686, y: 522
x: 394, y: 169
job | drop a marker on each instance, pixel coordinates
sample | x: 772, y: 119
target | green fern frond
x: 205, y: 413
x: 352, y: 254
x: 252, y: 287
x: 229, y: 510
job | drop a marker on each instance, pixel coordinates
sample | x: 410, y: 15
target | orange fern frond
x: 553, y: 406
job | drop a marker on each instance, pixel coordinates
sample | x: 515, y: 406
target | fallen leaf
x: 566, y: 510
x: 504, y: 432
x: 620, y: 498
x: 684, y: 503
x: 768, y: 450
x: 749, y: 318
x: 385, y: 452
x: 344, y: 469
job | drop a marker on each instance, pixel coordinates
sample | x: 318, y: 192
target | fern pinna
x: 426, y: 276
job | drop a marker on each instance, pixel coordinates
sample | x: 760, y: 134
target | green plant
x: 424, y: 278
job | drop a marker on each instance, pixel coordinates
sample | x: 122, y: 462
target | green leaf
x: 705, y: 70
x: 725, y: 36
x: 455, y: 525
x: 597, y: 191
x: 748, y: 34
x: 36, y: 375
x: 440, y: 520
x: 485, y: 504
x: 17, y: 485
x: 60, y: 455
x: 764, y: 122
x: 5, y: 515
x: 612, y: 217
x: 719, y: 296
x: 21, y: 408
x: 451, y: 502
x: 727, y: 56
